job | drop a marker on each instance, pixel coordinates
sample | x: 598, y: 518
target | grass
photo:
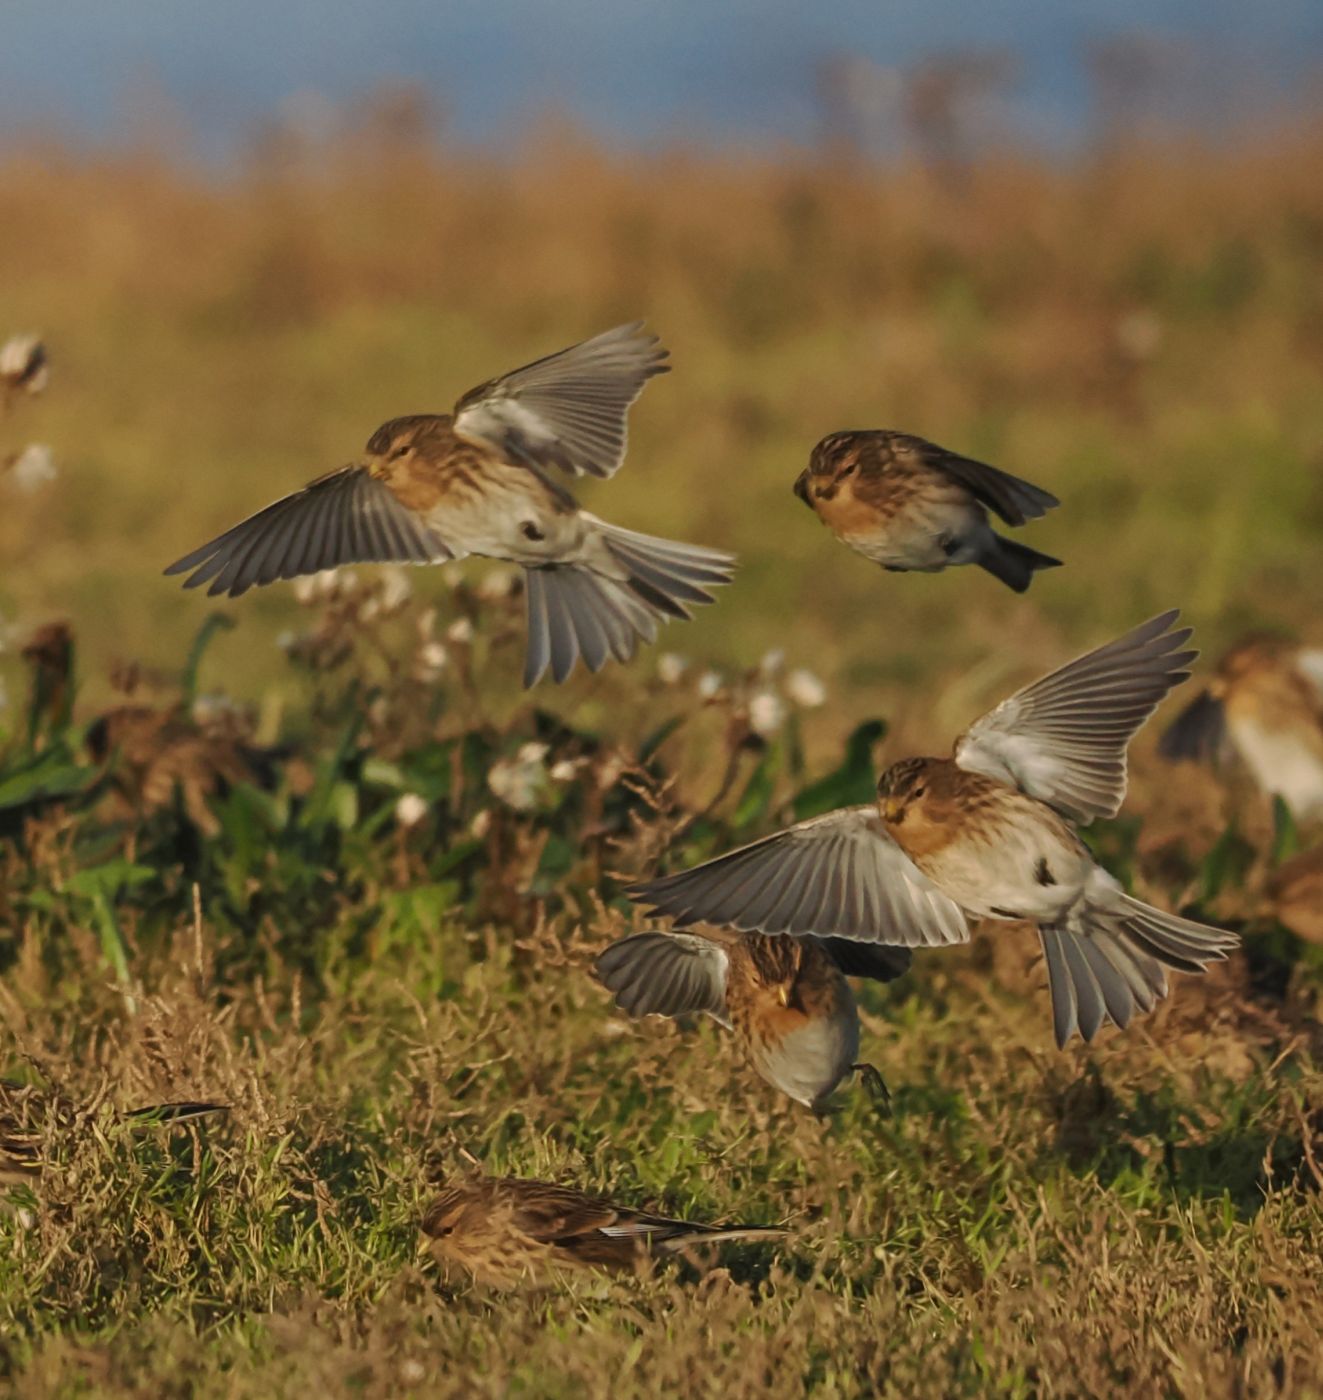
x: 221, y: 901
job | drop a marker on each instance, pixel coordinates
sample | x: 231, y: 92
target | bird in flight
x: 432, y: 487
x: 908, y: 504
x: 988, y: 833
x: 786, y: 999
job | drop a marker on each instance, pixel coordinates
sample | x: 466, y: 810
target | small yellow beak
x: 893, y: 809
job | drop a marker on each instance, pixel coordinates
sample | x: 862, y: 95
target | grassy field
x: 207, y: 890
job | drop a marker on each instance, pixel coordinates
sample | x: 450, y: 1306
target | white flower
x: 671, y: 667
x: 431, y: 660
x: 519, y: 781
x: 805, y: 689
x: 709, y: 684
x: 767, y: 713
x: 772, y: 664
x: 23, y: 363
x: 410, y: 809
x: 369, y: 609
x: 214, y: 707
x: 396, y: 590
x: 460, y: 632
x: 498, y: 584
x: 33, y: 467
x: 312, y: 588
x: 481, y: 824
x: 565, y: 770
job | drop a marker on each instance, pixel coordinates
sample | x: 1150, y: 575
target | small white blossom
x: 498, y: 584
x: 805, y: 689
x: 23, y: 363
x: 410, y: 809
x: 670, y: 668
x: 213, y: 707
x: 481, y: 824
x: 313, y: 588
x: 609, y: 771
x: 767, y: 713
x: 520, y: 781
x: 396, y: 590
x: 431, y: 660
x: 369, y: 609
x: 709, y: 685
x: 566, y: 769
x: 772, y: 664
x: 412, y: 1372
x: 460, y: 632
x: 33, y: 467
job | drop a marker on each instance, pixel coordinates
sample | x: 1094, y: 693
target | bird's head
x: 395, y: 445
x: 833, y: 461
x: 913, y: 787
x: 443, y: 1215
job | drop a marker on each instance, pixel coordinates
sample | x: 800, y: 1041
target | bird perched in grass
x: 786, y: 999
x: 908, y: 504
x: 1264, y: 705
x: 28, y: 1115
x: 507, y: 1231
x: 432, y: 487
x: 988, y: 833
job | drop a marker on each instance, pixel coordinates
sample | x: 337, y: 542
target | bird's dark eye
x: 918, y: 791
x: 401, y: 451
x: 849, y: 471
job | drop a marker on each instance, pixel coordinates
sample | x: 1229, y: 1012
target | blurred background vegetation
x: 1140, y: 330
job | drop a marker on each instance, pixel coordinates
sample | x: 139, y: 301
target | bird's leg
x: 875, y: 1085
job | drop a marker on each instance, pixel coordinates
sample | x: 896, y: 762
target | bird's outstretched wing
x: 666, y: 974
x: 569, y: 409
x: 1063, y: 739
x: 839, y: 874
x: 345, y: 517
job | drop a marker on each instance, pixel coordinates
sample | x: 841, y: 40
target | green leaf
x: 112, y: 940
x: 1285, y: 835
x: 52, y: 773
x: 213, y: 623
x: 756, y: 799
x: 1226, y: 864
x: 853, y: 783
x: 658, y: 737
x: 106, y: 881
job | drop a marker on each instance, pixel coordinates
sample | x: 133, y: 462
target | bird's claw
x: 875, y: 1086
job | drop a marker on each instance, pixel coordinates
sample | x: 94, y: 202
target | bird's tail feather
x: 709, y: 1234
x: 1014, y: 563
x: 574, y: 610
x: 1110, y: 964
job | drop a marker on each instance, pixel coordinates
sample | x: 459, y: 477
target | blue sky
x: 633, y: 70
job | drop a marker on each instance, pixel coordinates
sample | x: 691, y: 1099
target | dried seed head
x: 23, y: 364
x: 33, y: 468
